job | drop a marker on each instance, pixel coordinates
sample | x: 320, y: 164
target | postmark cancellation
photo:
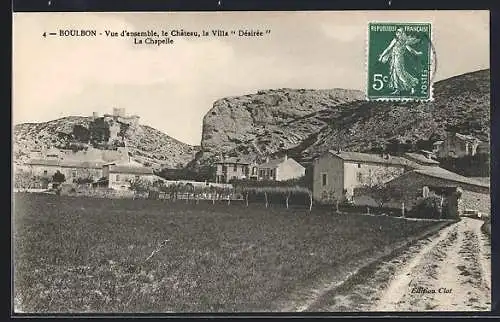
x: 399, y: 61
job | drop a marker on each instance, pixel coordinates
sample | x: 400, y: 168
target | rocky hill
x: 307, y: 122
x: 266, y: 122
x: 147, y: 145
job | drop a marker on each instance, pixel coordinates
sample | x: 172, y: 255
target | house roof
x: 67, y: 163
x: 422, y: 159
x: 233, y: 160
x: 82, y: 164
x: 466, y: 137
x: 272, y: 163
x: 438, y: 172
x: 129, y: 169
x: 47, y: 162
x: 373, y: 158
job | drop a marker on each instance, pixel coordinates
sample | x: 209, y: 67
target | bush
x: 85, y: 180
x: 430, y: 207
x: 58, y: 177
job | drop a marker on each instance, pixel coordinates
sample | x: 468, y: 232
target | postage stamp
x: 399, y: 61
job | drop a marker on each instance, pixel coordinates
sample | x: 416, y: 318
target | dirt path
x: 450, y: 271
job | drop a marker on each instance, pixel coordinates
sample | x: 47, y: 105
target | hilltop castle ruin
x: 119, y: 114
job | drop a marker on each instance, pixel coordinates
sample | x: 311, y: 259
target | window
x: 224, y: 169
x: 324, y: 179
x: 117, y: 177
x: 425, y: 191
x: 44, y: 172
x: 359, y: 165
x: 359, y: 176
x: 136, y: 177
x: 73, y: 174
x: 235, y: 168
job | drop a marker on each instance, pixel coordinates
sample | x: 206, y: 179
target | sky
x: 171, y: 87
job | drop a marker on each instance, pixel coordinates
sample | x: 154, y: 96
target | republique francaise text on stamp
x: 399, y: 61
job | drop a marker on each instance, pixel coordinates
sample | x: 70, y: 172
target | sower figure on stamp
x: 400, y: 78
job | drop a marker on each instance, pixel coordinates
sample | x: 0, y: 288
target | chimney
x: 286, y: 156
x: 267, y: 159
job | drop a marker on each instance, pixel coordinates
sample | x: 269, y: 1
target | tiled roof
x: 374, y: 158
x: 49, y: 162
x: 466, y: 137
x: 129, y: 169
x: 233, y: 160
x: 272, y: 163
x: 420, y: 158
x: 67, y: 163
x: 438, y: 172
x: 80, y: 164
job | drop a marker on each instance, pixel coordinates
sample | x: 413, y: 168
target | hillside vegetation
x: 308, y: 122
x: 147, y: 145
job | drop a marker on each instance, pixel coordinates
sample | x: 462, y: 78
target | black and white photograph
x: 225, y: 162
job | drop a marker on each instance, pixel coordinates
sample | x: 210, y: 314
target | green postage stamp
x: 399, y: 61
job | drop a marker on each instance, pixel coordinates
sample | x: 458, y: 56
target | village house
x: 280, y: 169
x: 456, y: 145
x: 71, y: 169
x: 119, y: 176
x: 423, y: 158
x: 419, y: 182
x: 337, y: 173
x: 74, y: 165
x: 234, y: 169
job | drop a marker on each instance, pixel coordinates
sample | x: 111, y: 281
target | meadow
x: 74, y: 254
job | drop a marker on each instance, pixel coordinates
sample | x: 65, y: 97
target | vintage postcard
x: 313, y: 161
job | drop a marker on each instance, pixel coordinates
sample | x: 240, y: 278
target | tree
x: 428, y: 207
x: 139, y: 186
x: 85, y: 176
x: 81, y: 133
x: 283, y: 188
x: 383, y: 194
x: 24, y: 180
x: 58, y: 177
x: 99, y: 131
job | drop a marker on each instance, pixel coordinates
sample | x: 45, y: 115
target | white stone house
x: 280, y: 169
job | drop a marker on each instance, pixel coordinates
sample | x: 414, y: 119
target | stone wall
x: 475, y: 200
x: 411, y: 184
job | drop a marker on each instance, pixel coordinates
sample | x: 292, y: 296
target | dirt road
x: 448, y: 272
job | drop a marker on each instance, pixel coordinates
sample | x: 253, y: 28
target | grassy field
x: 89, y: 255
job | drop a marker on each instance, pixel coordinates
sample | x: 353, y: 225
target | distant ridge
x: 306, y: 123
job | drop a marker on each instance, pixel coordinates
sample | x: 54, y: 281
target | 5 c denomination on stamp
x: 399, y: 61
